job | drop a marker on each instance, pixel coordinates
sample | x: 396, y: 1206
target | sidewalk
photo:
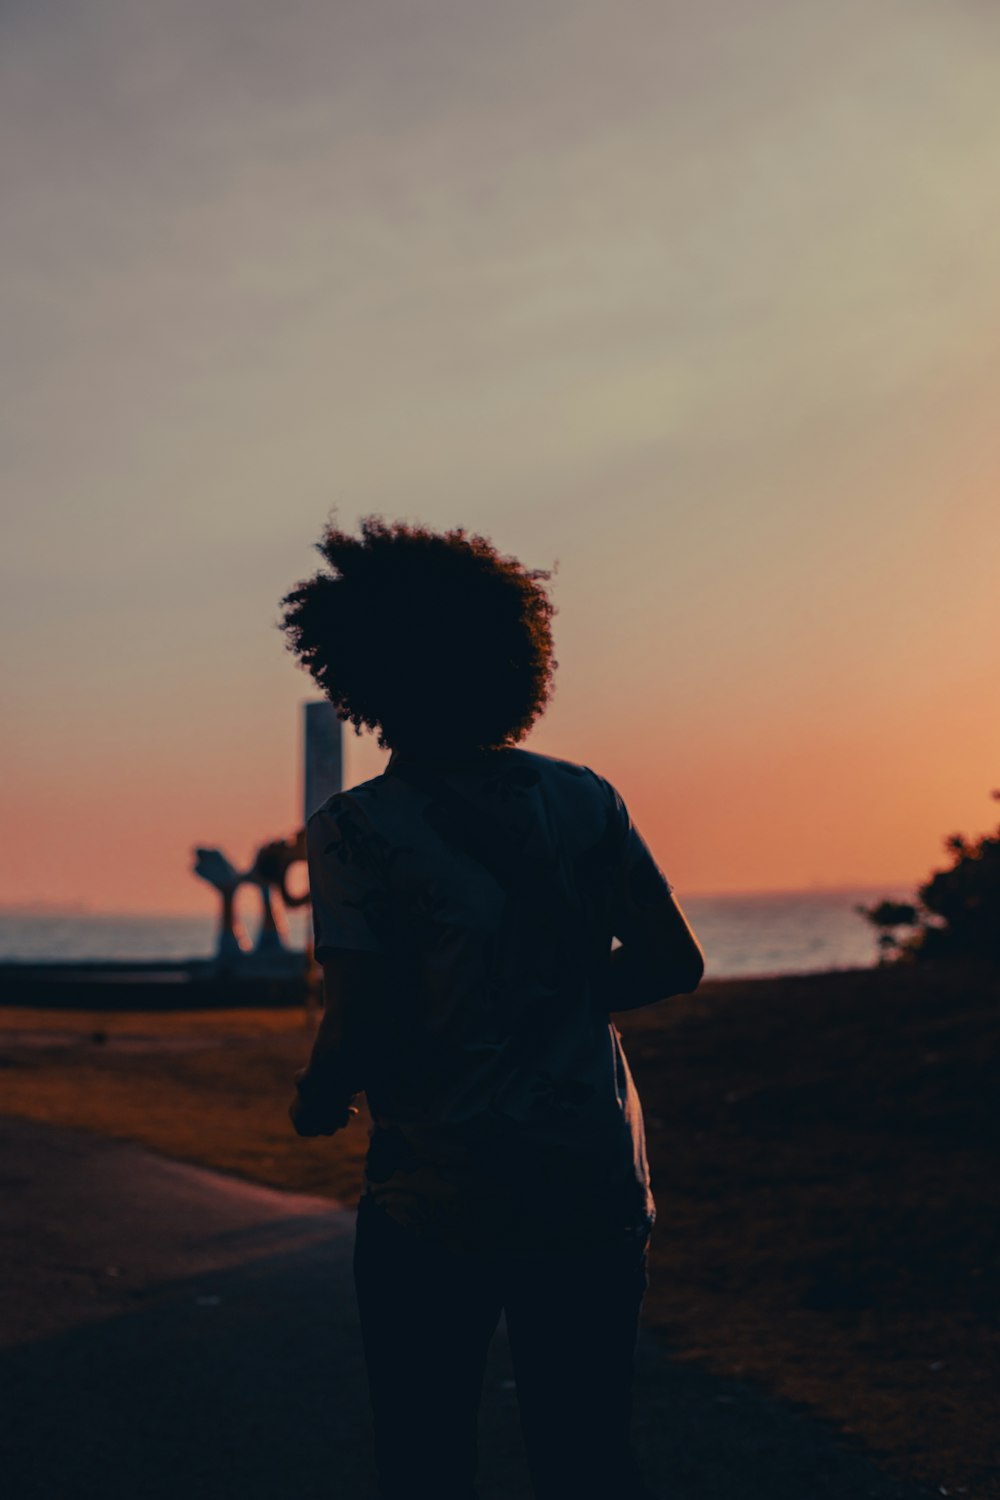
x: 168, y: 1332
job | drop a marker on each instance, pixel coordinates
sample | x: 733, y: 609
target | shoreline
x: 70, y: 988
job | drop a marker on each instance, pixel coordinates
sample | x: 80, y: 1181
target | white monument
x: 322, y: 775
x: 323, y: 756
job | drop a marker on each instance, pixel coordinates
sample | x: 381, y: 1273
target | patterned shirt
x: 504, y: 1115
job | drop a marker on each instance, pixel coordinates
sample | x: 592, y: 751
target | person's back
x: 504, y: 1115
x: 465, y: 904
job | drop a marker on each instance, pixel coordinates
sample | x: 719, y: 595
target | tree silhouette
x: 957, y: 911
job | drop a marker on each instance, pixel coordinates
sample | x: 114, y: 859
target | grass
x: 825, y: 1156
x: 206, y: 1087
x: 824, y: 1153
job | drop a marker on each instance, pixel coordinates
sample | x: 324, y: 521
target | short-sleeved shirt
x: 504, y: 1114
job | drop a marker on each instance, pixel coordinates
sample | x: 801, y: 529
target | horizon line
x: 41, y: 907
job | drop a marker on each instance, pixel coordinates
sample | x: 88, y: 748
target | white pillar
x: 323, y: 755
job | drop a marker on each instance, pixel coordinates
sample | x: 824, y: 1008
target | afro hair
x: 426, y: 638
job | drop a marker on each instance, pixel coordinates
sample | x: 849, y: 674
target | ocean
x: 790, y: 933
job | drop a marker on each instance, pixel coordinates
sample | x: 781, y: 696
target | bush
x: 956, y: 913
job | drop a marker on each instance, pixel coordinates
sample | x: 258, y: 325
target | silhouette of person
x: 465, y: 904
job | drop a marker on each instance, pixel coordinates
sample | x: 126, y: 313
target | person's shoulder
x: 560, y: 769
x: 360, y: 798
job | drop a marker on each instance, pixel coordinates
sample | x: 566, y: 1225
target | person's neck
x: 441, y: 754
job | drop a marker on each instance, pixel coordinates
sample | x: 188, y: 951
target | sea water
x: 786, y: 933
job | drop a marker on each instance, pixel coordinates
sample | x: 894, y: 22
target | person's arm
x: 344, y: 890
x: 661, y: 958
x: 659, y: 954
x: 337, y: 1071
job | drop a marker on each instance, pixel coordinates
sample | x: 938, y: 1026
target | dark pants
x: 427, y: 1317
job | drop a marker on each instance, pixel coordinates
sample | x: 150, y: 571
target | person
x: 465, y: 906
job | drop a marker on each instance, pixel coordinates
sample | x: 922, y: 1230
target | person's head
x: 428, y: 638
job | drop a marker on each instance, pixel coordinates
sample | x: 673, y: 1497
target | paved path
x: 172, y: 1334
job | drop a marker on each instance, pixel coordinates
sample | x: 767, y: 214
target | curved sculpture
x: 269, y: 873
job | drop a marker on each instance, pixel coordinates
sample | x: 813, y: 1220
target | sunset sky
x: 699, y: 301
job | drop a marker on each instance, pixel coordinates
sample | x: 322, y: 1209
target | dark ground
x: 825, y: 1154
x: 826, y: 1159
x: 170, y: 1332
